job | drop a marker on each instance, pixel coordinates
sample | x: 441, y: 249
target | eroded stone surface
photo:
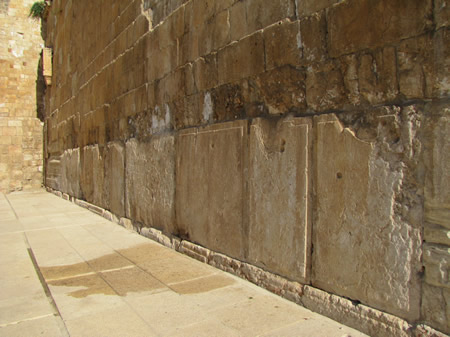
x: 279, y: 228
x: 362, y: 249
x: 70, y: 177
x: 92, y: 175
x: 150, y: 182
x: 209, y: 197
x: 114, y: 188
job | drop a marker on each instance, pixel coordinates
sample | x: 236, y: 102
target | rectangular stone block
x: 92, y: 175
x: 210, y: 185
x: 150, y: 182
x: 307, y: 7
x: 114, y: 187
x: 435, y: 308
x: 436, y: 260
x: 375, y: 23
x: 241, y: 59
x: 279, y: 192
x: 70, y: 173
x: 262, y: 13
x: 362, y: 249
x: 437, y: 178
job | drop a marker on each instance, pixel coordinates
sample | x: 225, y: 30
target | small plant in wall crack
x: 39, y: 9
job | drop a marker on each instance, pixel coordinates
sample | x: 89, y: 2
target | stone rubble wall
x: 21, y: 137
x: 307, y: 139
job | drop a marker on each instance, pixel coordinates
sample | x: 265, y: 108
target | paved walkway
x: 65, y: 271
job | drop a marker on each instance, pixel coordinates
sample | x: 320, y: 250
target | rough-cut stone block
x: 279, y: 228
x: 114, y: 188
x: 283, y: 45
x: 262, y: 13
x: 362, y: 249
x: 324, y: 87
x: 92, y: 175
x: 205, y: 72
x: 441, y: 46
x: 358, y: 24
x: 313, y: 30
x: 70, y: 173
x: 210, y: 186
x: 283, y: 90
x: 150, y: 182
x: 241, y: 59
x: 435, y: 308
x: 437, y: 179
x: 307, y: 7
x: 377, y: 76
x: 436, y: 259
x: 437, y: 234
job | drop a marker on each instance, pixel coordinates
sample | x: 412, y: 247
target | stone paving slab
x: 65, y: 271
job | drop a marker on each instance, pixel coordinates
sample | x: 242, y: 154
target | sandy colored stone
x: 262, y: 13
x: 437, y: 188
x: 70, y: 173
x: 436, y: 260
x: 374, y: 24
x: 434, y: 308
x: 114, y: 188
x: 92, y: 175
x: 209, y: 198
x: 307, y: 7
x: 150, y: 182
x: 359, y: 249
x: 437, y: 234
x: 279, y: 237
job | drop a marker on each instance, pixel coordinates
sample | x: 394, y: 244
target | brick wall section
x: 304, y: 137
x: 21, y: 139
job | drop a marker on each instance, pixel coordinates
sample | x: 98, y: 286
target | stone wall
x: 21, y: 139
x: 308, y: 139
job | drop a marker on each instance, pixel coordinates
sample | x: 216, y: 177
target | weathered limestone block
x: 262, y: 13
x: 205, y: 72
x: 114, y: 181
x: 241, y: 59
x: 441, y: 48
x: 437, y: 234
x: 324, y: 86
x: 210, y: 187
x: 307, y: 7
x: 150, y: 182
x: 442, y: 13
x: 437, y: 265
x: 70, y: 172
x: 313, y: 37
x: 375, y: 23
x: 279, y: 188
x: 283, y: 45
x: 92, y: 175
x: 437, y: 163
x: 435, y: 308
x: 363, y: 250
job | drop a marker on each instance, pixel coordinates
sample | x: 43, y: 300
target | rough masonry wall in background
x: 308, y: 138
x: 21, y: 139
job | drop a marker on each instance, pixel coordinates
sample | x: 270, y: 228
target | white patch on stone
x: 207, y: 107
x: 299, y: 40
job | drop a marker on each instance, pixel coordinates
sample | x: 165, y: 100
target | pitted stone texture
x: 359, y: 24
x: 92, y: 175
x: 363, y: 250
x: 70, y: 177
x: 435, y: 308
x: 114, y: 188
x: 437, y: 181
x: 279, y: 228
x: 210, y: 186
x: 150, y: 182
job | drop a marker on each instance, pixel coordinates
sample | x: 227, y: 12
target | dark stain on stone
x: 121, y: 273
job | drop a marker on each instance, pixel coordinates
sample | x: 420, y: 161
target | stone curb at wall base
x: 358, y: 316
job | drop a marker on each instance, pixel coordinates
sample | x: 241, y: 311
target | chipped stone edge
x: 355, y: 315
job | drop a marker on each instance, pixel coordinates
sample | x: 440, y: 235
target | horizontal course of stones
x: 275, y: 133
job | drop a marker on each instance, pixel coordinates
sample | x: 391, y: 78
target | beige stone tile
x: 121, y: 321
x: 15, y: 309
x: 259, y: 315
x: 315, y: 326
x: 167, y: 310
x: 207, y: 328
x: 45, y: 326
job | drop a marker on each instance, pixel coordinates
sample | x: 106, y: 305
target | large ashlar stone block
x: 363, y: 249
x: 437, y: 265
x: 435, y: 308
x: 70, y: 172
x: 210, y: 185
x: 375, y: 23
x: 92, y: 175
x: 437, y: 181
x: 150, y: 182
x: 279, y: 187
x: 114, y: 188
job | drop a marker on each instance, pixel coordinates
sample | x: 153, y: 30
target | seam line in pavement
x: 90, y: 273
x: 57, y: 314
x: 25, y: 320
x: 12, y: 208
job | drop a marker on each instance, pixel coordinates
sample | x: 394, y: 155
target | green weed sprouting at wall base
x: 37, y: 9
